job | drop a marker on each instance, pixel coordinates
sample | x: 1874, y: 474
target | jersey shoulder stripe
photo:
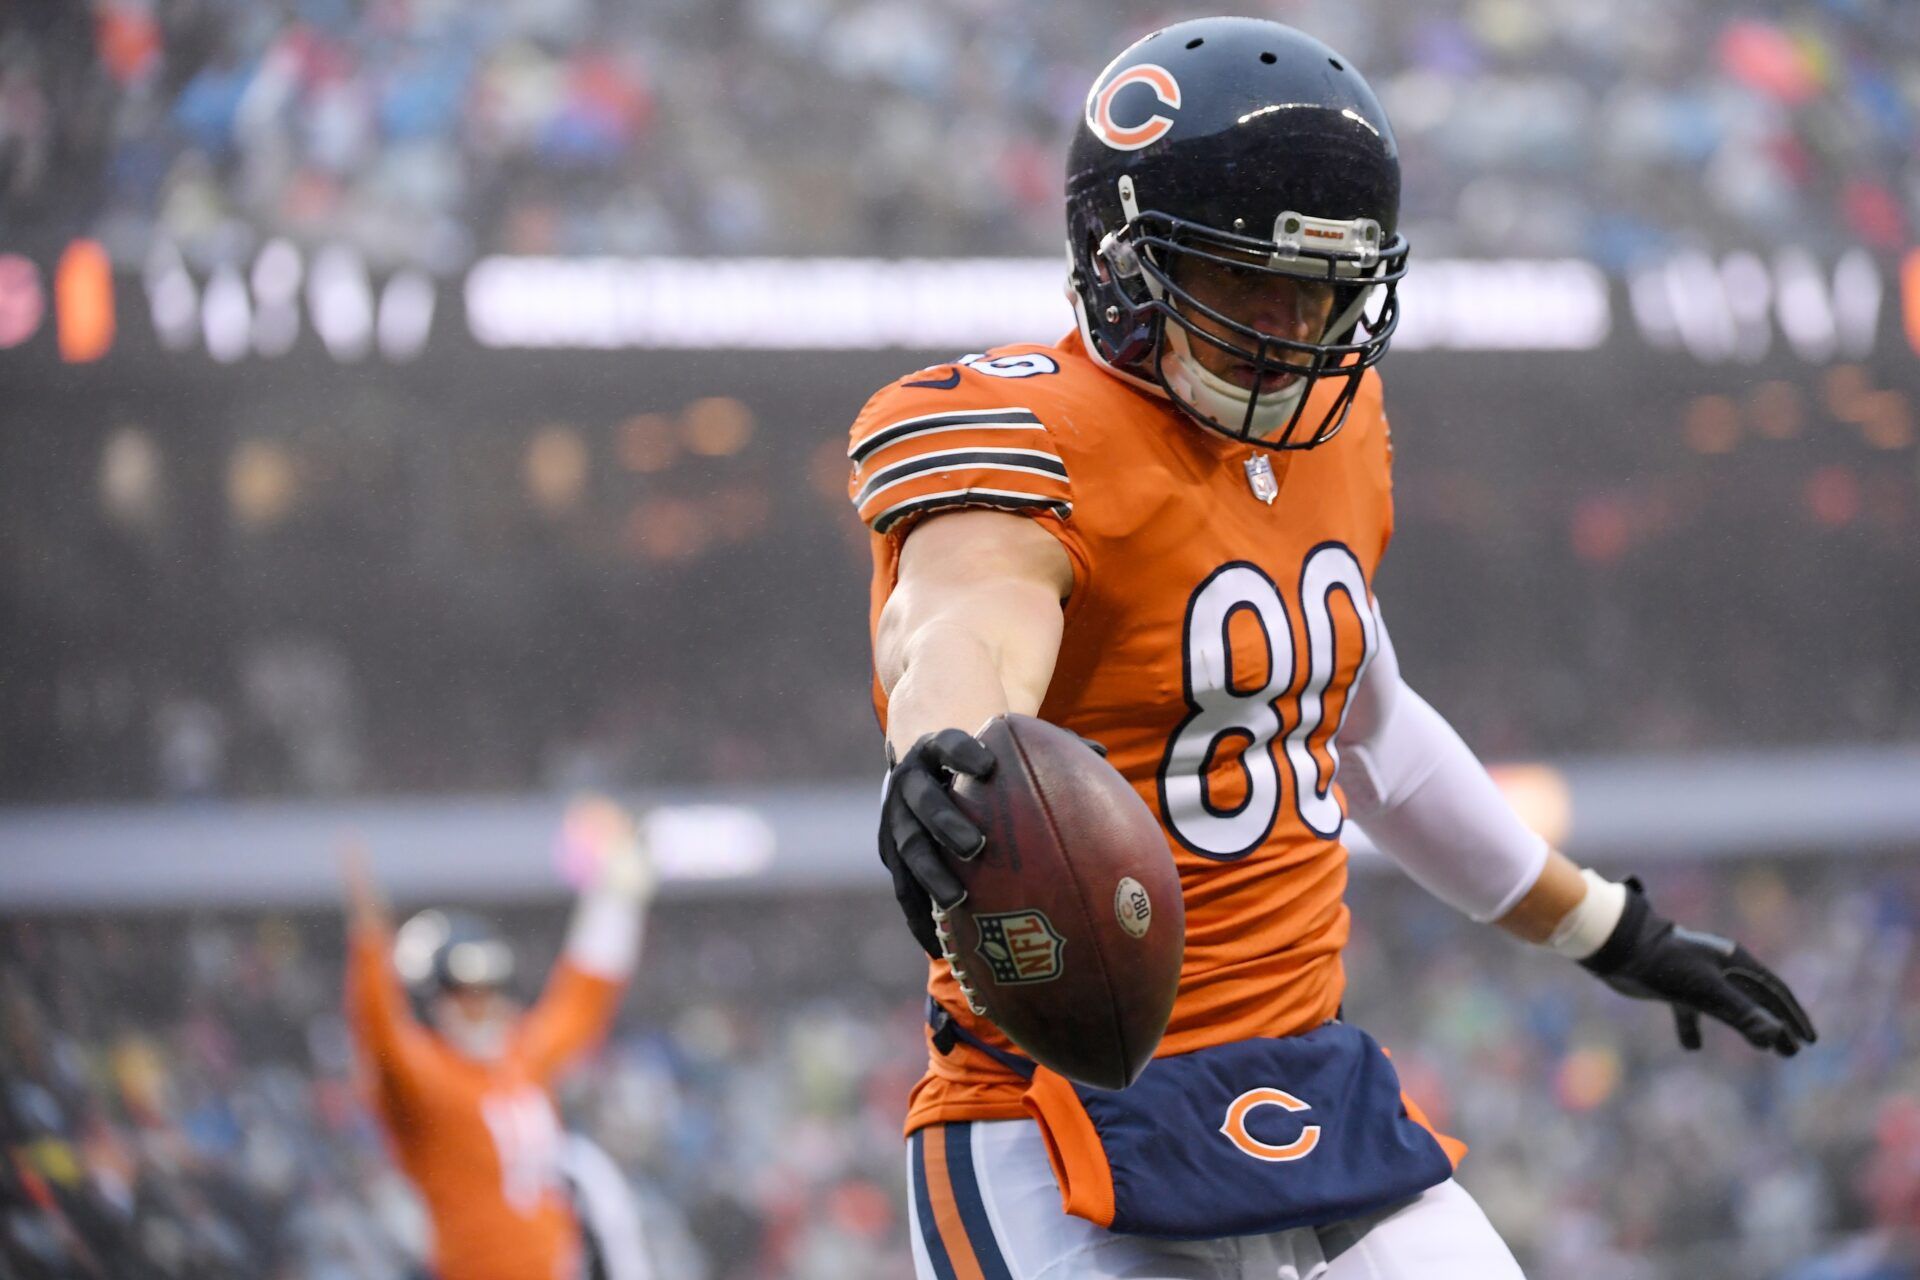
x: 888, y: 517
x: 916, y: 475
x: 912, y: 454
x: 1030, y: 461
x: 999, y: 433
x: 1007, y: 419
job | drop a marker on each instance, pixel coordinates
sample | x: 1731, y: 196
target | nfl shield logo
x: 1260, y: 477
x: 1020, y: 946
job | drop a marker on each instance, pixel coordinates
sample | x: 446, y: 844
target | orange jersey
x: 1221, y: 613
x: 481, y: 1141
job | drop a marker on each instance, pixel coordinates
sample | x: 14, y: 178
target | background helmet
x: 1243, y: 141
x: 438, y: 951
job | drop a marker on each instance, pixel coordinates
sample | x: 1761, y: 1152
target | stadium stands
x: 429, y: 132
x: 178, y: 1097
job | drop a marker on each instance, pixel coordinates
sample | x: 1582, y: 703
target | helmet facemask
x: 1139, y: 268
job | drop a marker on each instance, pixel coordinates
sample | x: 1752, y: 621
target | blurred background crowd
x: 520, y: 570
x: 490, y: 570
x: 179, y: 1103
x: 429, y: 131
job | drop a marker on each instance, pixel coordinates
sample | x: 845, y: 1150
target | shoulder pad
x: 965, y: 434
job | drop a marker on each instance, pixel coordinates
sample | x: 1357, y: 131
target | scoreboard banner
x: 1735, y: 308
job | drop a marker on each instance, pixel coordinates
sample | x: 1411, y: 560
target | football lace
x: 944, y: 931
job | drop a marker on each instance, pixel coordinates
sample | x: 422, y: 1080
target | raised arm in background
x: 392, y: 1042
x: 582, y: 994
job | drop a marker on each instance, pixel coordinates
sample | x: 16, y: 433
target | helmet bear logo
x: 1153, y: 128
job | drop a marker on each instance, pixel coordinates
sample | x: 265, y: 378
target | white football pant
x: 998, y: 1217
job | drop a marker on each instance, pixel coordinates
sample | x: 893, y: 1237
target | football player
x: 1162, y: 532
x: 461, y: 1076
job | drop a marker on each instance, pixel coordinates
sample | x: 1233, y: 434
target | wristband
x: 1586, y: 928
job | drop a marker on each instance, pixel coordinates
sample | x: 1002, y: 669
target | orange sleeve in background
x: 382, y: 1021
x: 572, y: 1016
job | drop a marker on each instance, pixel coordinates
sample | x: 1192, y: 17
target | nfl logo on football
x: 1020, y: 946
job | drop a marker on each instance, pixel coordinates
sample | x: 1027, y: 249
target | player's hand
x: 629, y: 872
x: 626, y: 867
x: 1649, y: 957
x: 921, y: 828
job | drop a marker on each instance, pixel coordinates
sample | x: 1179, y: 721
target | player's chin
x: 1250, y: 377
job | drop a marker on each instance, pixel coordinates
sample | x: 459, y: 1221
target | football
x: 1072, y: 931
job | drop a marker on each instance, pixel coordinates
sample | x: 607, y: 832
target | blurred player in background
x: 461, y: 1076
x: 1161, y: 533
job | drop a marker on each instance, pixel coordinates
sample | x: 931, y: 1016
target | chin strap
x: 1222, y: 400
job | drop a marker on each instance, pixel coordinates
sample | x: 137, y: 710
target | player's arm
x: 377, y: 1010
x: 970, y: 631
x: 1428, y: 803
x: 602, y: 949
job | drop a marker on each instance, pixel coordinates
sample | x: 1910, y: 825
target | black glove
x: 1649, y: 957
x: 921, y: 827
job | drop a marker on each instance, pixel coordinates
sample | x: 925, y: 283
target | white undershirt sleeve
x: 603, y: 938
x: 1427, y: 802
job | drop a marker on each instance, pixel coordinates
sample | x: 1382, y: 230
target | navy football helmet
x: 438, y: 951
x: 1250, y: 145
